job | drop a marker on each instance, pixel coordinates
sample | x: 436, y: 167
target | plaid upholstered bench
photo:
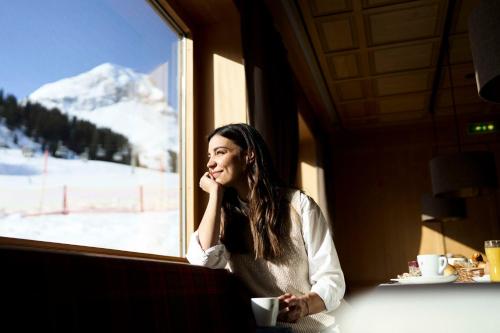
x: 50, y: 291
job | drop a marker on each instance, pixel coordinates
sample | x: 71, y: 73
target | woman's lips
x: 216, y: 174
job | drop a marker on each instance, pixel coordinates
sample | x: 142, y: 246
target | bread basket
x: 465, y: 274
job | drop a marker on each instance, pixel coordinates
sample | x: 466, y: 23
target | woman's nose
x: 210, y: 163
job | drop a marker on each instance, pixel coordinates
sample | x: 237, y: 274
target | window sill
x: 17, y: 243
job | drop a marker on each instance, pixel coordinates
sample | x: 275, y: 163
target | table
x: 448, y: 307
x: 273, y: 330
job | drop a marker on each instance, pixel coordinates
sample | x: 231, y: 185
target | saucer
x: 427, y: 279
x: 484, y: 278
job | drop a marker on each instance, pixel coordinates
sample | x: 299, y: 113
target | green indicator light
x: 483, y: 127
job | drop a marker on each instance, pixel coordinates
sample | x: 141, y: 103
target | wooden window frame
x: 186, y: 193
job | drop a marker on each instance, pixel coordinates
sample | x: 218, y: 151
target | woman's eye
x: 219, y: 152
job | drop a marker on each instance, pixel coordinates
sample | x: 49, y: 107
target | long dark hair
x: 266, y: 202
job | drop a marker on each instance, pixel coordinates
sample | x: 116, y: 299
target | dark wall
x: 48, y: 291
x: 375, y: 184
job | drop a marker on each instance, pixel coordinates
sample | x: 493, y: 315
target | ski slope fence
x: 79, y: 199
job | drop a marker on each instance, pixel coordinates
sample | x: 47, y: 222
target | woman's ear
x: 250, y: 156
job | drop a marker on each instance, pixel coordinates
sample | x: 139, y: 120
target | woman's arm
x: 214, y: 257
x: 325, y: 273
x: 209, y: 228
x: 204, y: 247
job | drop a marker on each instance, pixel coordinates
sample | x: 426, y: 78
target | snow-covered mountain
x: 123, y: 100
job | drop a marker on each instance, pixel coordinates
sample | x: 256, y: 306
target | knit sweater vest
x: 289, y: 274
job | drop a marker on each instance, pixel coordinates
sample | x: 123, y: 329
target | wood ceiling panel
x: 402, y: 58
x: 199, y: 13
x: 460, y: 49
x: 377, y: 3
x: 403, y: 117
x: 389, y: 25
x: 404, y: 83
x: 462, y: 75
x: 387, y: 119
x: 403, y: 103
x: 326, y: 7
x: 337, y: 33
x: 354, y: 109
x: 344, y: 66
x: 350, y: 90
x: 379, y: 58
x: 359, y: 122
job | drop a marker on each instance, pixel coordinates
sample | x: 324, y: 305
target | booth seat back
x: 49, y: 291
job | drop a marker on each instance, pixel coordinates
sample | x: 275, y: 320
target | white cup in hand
x: 431, y: 264
x: 265, y: 310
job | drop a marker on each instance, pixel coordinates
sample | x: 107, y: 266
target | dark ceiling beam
x: 443, y: 49
x: 298, y: 26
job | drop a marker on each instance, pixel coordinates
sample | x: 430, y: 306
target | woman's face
x: 226, y: 161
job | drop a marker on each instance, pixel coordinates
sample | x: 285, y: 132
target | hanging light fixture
x: 484, y: 35
x: 463, y: 174
x: 442, y: 209
x: 435, y: 209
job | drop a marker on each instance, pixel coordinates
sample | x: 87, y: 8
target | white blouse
x: 325, y: 274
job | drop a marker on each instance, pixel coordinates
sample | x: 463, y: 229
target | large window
x: 90, y: 125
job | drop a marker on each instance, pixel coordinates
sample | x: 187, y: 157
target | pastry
x: 449, y: 270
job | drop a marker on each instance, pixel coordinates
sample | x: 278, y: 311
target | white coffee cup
x: 265, y: 310
x: 431, y: 264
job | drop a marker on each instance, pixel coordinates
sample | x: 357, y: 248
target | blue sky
x: 44, y: 41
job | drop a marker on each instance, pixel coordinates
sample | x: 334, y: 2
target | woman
x: 274, y: 238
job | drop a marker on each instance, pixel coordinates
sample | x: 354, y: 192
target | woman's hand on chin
x: 209, y: 185
x: 292, y: 308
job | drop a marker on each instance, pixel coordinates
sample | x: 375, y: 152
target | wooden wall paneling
x: 460, y: 49
x: 361, y: 255
x: 379, y: 179
x: 190, y: 149
x: 462, y: 75
x: 377, y: 208
x: 217, y: 38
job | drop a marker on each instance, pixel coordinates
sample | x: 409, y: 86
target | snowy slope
x: 15, y: 139
x: 102, y: 202
x: 123, y: 100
